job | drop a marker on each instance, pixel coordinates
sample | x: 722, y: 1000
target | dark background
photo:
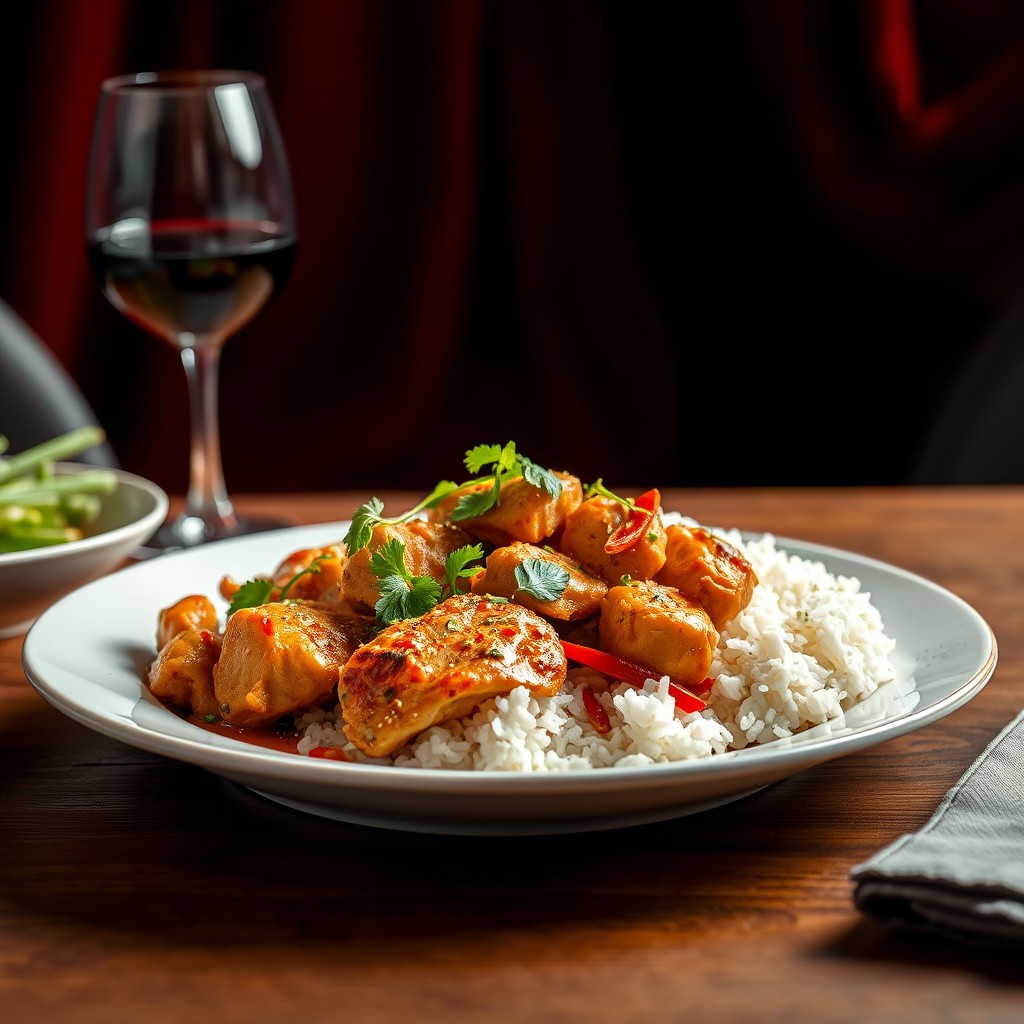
x: 719, y: 243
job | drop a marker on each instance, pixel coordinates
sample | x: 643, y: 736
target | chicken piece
x: 192, y: 612
x: 418, y: 672
x: 182, y: 673
x: 587, y: 530
x: 523, y: 511
x: 658, y: 628
x: 279, y: 657
x: 709, y: 570
x: 322, y: 583
x: 580, y: 598
x: 427, y: 545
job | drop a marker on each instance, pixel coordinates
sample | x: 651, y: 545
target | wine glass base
x: 185, y: 531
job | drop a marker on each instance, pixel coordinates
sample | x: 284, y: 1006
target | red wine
x: 199, y: 277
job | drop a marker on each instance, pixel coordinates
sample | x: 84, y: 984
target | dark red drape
x: 637, y: 239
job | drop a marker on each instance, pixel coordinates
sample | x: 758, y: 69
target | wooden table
x: 135, y: 888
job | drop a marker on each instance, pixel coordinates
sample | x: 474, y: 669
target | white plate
x: 87, y: 656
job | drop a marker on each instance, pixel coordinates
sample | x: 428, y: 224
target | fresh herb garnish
x: 367, y: 516
x: 488, y: 463
x: 541, y: 579
x: 251, y: 594
x: 404, y: 596
x: 458, y: 565
x: 313, y: 569
x: 257, y: 591
x: 505, y: 463
x: 598, y: 487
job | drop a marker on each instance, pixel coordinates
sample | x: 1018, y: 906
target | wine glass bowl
x: 191, y: 231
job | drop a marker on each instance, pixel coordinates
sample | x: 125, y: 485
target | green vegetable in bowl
x: 39, y: 507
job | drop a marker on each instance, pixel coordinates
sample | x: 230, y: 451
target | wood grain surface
x: 137, y: 888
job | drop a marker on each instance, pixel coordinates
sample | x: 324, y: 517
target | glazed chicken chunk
x: 587, y: 530
x: 192, y: 612
x: 708, y: 570
x: 656, y: 627
x: 182, y: 673
x: 279, y: 657
x: 322, y: 583
x: 579, y: 600
x: 418, y: 672
x: 523, y: 511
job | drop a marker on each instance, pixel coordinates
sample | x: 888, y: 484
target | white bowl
x: 30, y: 581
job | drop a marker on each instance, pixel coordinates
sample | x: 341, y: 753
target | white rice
x: 809, y: 647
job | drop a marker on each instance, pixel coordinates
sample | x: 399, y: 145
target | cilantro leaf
x: 476, y: 503
x: 389, y: 559
x: 498, y: 463
x: 457, y: 564
x: 256, y: 591
x: 367, y: 516
x: 486, y: 455
x: 364, y: 519
x: 505, y: 463
x: 540, y: 477
x: 544, y: 580
x: 404, y: 596
x: 250, y: 594
x: 406, y: 599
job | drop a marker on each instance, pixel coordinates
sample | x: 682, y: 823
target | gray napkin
x: 962, y: 875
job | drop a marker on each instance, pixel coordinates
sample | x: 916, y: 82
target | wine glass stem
x: 207, y: 495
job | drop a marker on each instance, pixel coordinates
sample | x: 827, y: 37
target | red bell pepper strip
x: 637, y: 524
x: 635, y: 675
x: 704, y: 686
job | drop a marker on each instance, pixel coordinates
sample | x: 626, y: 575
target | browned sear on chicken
x: 419, y: 672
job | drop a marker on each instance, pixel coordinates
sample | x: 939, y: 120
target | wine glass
x: 191, y: 229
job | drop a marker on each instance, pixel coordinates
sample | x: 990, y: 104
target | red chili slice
x: 595, y: 712
x: 637, y: 524
x: 329, y: 753
x: 635, y: 675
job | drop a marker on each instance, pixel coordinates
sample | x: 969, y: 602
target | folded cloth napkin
x: 962, y: 875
